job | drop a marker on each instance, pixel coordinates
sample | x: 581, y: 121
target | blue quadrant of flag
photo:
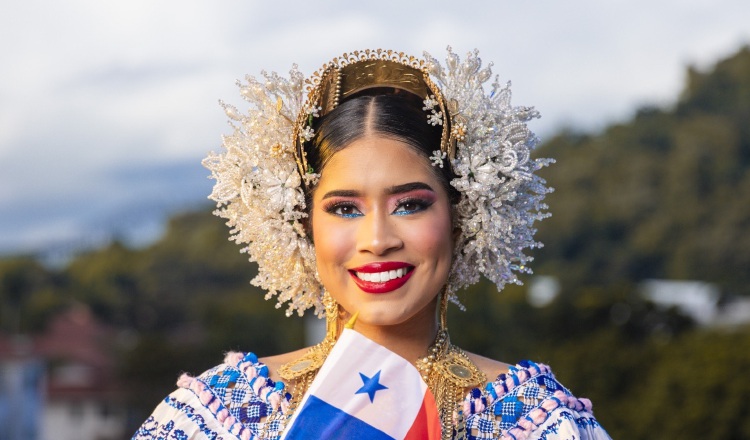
x: 318, y: 419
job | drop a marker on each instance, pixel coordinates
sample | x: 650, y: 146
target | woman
x: 394, y: 184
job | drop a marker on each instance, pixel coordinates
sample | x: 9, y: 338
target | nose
x: 377, y: 234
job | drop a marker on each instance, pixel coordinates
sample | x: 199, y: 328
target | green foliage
x: 664, y: 196
x: 698, y: 378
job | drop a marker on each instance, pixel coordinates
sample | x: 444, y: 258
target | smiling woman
x: 395, y: 183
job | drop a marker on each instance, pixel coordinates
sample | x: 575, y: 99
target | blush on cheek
x: 436, y: 236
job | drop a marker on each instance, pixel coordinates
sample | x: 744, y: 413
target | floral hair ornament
x: 262, y: 174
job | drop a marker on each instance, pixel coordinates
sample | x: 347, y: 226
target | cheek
x: 333, y: 243
x: 434, y: 236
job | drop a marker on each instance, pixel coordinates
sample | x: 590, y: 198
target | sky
x: 107, y: 108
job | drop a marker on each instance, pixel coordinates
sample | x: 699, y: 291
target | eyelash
x: 333, y: 208
x: 420, y: 205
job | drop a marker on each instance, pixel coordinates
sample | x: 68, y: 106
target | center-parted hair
x: 395, y: 115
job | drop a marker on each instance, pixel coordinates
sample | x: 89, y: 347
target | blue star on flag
x: 371, y: 385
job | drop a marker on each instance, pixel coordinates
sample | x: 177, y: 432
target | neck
x: 410, y: 339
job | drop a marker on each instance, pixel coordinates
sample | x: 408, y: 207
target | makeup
x: 382, y: 277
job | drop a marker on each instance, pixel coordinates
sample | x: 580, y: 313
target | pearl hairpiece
x: 262, y: 173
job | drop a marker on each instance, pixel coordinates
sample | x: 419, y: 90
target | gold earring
x: 332, y: 317
x: 310, y: 362
x: 443, y: 311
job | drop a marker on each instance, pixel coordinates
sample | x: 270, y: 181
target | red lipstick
x: 384, y: 286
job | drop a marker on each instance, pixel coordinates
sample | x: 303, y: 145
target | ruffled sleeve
x: 528, y: 403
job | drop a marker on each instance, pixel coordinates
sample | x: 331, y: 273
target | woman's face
x: 382, y: 229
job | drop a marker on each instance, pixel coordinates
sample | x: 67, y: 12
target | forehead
x: 375, y: 162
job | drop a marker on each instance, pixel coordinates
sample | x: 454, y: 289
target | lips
x: 381, y: 277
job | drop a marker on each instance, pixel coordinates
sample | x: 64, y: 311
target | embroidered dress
x: 233, y: 400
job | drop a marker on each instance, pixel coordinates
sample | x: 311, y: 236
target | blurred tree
x: 25, y: 301
x: 663, y: 196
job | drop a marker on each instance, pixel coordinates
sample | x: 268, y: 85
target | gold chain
x: 449, y: 373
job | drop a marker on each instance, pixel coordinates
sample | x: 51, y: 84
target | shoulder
x: 275, y: 362
x: 528, y: 402
x: 228, y: 400
x: 490, y: 367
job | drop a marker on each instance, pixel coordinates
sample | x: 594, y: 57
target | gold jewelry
x: 449, y: 373
x: 447, y: 370
x: 311, y: 361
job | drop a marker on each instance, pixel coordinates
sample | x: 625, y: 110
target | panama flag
x: 365, y: 391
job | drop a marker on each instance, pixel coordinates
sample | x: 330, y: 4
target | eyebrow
x: 406, y: 187
x: 396, y: 189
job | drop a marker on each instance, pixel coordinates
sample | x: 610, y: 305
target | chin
x: 388, y: 314
x: 380, y: 318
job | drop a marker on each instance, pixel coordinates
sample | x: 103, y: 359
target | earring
x: 311, y: 361
x: 332, y: 317
x: 443, y: 311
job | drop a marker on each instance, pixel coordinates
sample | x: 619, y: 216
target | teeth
x: 381, y: 277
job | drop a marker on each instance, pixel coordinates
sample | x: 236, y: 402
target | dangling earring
x: 332, y: 317
x: 310, y: 362
x: 443, y: 311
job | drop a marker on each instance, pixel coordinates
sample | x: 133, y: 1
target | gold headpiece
x: 353, y: 73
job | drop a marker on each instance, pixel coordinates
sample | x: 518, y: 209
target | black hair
x: 396, y: 115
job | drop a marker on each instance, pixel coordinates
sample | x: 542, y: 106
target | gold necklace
x: 447, y: 371
x: 449, y: 374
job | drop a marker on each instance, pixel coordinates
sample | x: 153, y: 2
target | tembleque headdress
x: 262, y: 173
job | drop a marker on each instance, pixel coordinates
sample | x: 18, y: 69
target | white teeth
x: 381, y: 277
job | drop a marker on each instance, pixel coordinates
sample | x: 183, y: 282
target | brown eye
x: 407, y: 207
x: 345, y: 210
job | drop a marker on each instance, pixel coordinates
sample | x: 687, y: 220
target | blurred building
x: 61, y: 385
